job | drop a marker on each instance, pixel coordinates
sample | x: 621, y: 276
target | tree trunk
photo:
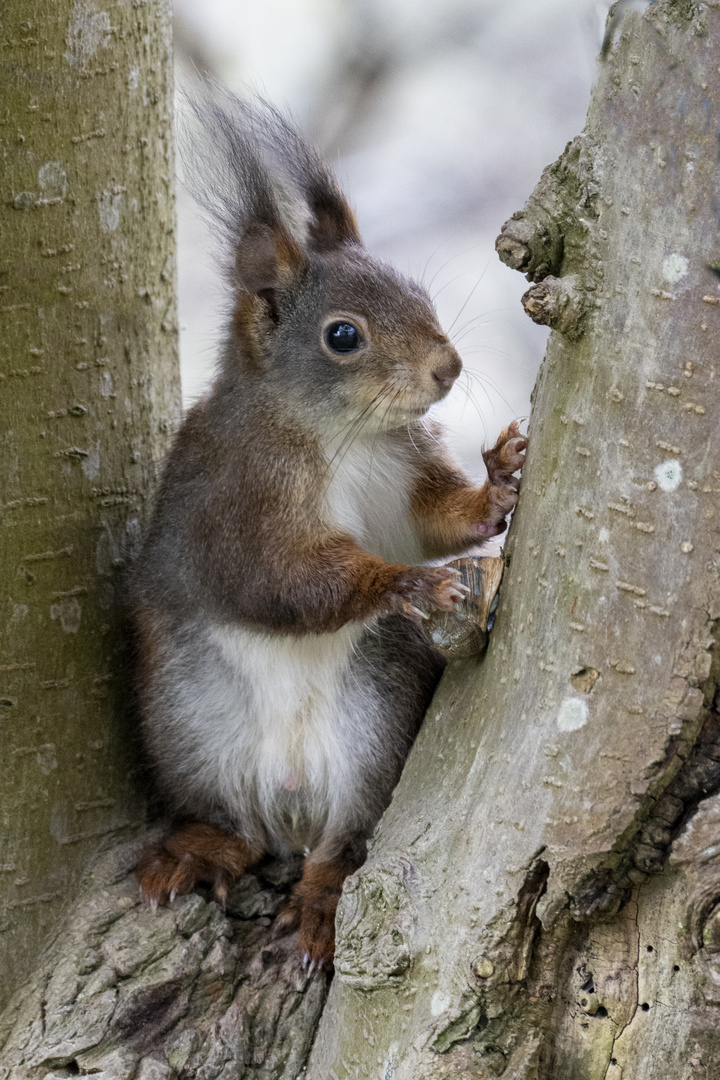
x: 505, y: 922
x: 89, y: 386
x: 541, y: 898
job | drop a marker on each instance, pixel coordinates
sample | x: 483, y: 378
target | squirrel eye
x: 343, y: 337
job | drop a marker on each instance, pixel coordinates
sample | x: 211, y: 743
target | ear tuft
x: 333, y: 221
x: 252, y: 172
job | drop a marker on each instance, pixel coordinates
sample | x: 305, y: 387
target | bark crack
x: 661, y: 818
x: 622, y: 1028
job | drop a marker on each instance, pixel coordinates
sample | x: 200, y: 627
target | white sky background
x: 438, y: 116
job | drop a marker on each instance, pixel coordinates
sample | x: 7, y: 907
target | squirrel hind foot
x: 311, y: 910
x: 288, y: 919
x: 194, y: 854
x: 313, y: 919
x: 316, y: 942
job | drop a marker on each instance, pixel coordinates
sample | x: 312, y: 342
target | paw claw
x: 173, y: 894
x: 507, y: 456
x: 457, y: 595
x: 439, y: 587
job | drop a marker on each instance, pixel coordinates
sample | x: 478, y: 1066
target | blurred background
x: 438, y: 117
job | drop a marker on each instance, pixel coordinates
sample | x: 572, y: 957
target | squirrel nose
x: 446, y: 374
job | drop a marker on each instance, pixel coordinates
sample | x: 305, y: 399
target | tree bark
x: 187, y: 990
x: 89, y: 386
x: 541, y: 898
x: 505, y: 923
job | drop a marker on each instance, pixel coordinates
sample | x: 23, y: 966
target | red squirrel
x: 283, y: 670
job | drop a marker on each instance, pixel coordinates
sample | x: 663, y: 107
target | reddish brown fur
x: 335, y: 581
x: 313, y: 905
x: 251, y: 323
x: 448, y: 511
x: 196, y: 853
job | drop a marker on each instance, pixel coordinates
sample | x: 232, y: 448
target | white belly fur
x: 295, y: 684
x: 274, y: 723
x: 369, y: 497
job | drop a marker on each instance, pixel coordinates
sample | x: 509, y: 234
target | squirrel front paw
x: 506, y: 457
x: 426, y: 586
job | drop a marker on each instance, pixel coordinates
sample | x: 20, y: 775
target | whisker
x: 483, y: 314
x: 361, y: 421
x: 431, y: 256
x: 482, y: 379
x: 429, y: 432
x: 469, y: 396
x: 388, y: 410
x: 410, y: 436
x: 467, y: 301
x: 498, y: 352
x: 356, y: 425
x: 473, y: 323
x: 448, y: 261
x: 458, y: 338
x: 378, y: 429
x: 447, y: 283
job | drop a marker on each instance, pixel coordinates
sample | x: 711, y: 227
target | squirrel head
x: 337, y: 335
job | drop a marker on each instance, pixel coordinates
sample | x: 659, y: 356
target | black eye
x: 343, y: 337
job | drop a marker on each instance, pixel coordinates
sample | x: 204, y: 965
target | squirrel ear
x: 329, y: 219
x: 266, y: 258
x: 333, y: 221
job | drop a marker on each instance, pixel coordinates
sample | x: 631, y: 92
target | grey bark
x: 124, y: 991
x: 504, y: 923
x: 188, y: 990
x: 89, y: 391
x: 541, y: 898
